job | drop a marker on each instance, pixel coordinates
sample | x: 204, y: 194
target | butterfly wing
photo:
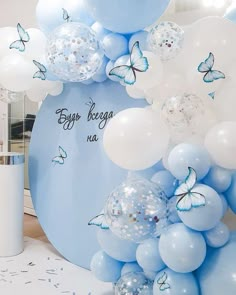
x: 137, y: 60
x: 212, y: 95
x: 58, y: 160
x: 39, y: 75
x: 62, y: 153
x: 65, y: 14
x: 40, y: 66
x: 184, y: 203
x: 207, y: 65
x: 99, y: 221
x: 24, y: 36
x: 124, y: 73
x: 162, y: 279
x: 162, y: 282
x: 197, y: 199
x: 188, y: 184
x: 164, y: 287
x: 217, y: 75
x: 19, y: 45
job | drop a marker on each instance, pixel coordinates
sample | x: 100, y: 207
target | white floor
x: 39, y: 270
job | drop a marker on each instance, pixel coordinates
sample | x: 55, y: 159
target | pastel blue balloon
x: 116, y: 248
x: 115, y: 45
x: 187, y: 155
x: 100, y: 31
x: 182, y: 249
x: 173, y: 213
x: 88, y: 82
x: 131, y: 267
x: 148, y: 255
x: 219, y: 179
x: 150, y: 274
x: 217, y: 236
x: 217, y: 274
x: 224, y: 204
x: 109, y: 67
x: 99, y: 78
x: 140, y: 36
x: 172, y: 283
x: 205, y: 217
x: 148, y: 173
x: 124, y: 16
x: 166, y: 182
x: 231, y: 14
x: 230, y: 194
x: 105, y: 268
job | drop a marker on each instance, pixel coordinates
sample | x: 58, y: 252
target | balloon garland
x: 162, y: 235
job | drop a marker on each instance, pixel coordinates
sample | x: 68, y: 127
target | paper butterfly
x: 99, y: 221
x: 162, y: 282
x: 24, y: 38
x: 210, y: 74
x: 189, y: 199
x: 138, y: 63
x: 42, y: 71
x: 61, y: 158
x: 212, y: 95
x: 66, y: 16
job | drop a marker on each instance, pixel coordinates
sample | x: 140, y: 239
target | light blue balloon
x: 169, y: 282
x: 173, y: 213
x: 131, y: 267
x: 217, y: 274
x: 88, y: 82
x: 219, y: 179
x: 122, y: 60
x: 115, y: 45
x: 99, y: 78
x: 182, y: 249
x: 116, y: 248
x: 141, y: 37
x: 105, y: 268
x: 224, y: 204
x: 101, y: 75
x: 166, y: 182
x: 187, y: 155
x: 148, y: 255
x: 124, y: 16
x: 148, y: 173
x: 230, y: 194
x: 109, y: 67
x: 217, y: 236
x: 100, y: 31
x: 205, y: 217
x: 150, y: 274
x: 231, y: 14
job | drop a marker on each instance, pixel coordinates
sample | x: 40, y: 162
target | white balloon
x: 16, y: 72
x: 136, y: 139
x: 35, y: 48
x: 221, y: 144
x: 57, y: 90
x: 135, y: 92
x: 7, y: 36
x: 36, y: 95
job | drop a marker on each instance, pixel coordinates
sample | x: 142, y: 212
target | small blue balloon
x: 219, y: 179
x: 148, y: 255
x: 173, y: 213
x: 100, y: 31
x: 105, y: 268
x: 217, y: 274
x: 217, y: 236
x: 205, y: 217
x: 172, y: 283
x: 166, y: 181
x: 187, y: 155
x: 99, y: 78
x: 182, y: 249
x: 116, y: 248
x: 224, y: 204
x: 230, y: 194
x: 115, y: 45
x: 131, y: 267
x: 141, y: 37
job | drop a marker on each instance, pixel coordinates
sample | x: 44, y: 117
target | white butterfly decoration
x: 99, y: 221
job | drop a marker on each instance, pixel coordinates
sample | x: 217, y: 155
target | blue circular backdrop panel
x: 70, y: 174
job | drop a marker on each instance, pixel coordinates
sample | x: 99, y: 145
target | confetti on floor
x: 40, y: 270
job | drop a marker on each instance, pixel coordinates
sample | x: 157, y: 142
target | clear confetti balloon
x: 8, y: 96
x: 136, y: 210
x: 166, y: 39
x: 134, y: 283
x: 73, y: 52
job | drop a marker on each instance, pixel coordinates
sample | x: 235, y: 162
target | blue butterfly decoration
x: 99, y: 221
x: 212, y: 94
x: 66, y: 16
x: 41, y: 74
x: 24, y: 38
x: 189, y: 199
x: 207, y: 68
x: 61, y: 158
x: 138, y: 63
x: 163, y: 285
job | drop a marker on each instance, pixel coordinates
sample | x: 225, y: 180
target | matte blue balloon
x: 131, y: 267
x: 182, y: 249
x: 224, y: 204
x: 187, y: 155
x: 205, y: 217
x: 150, y: 274
x: 219, y: 179
x: 173, y: 213
x: 217, y: 236
x: 172, y: 283
x: 148, y: 173
x: 230, y: 194
x: 105, y: 268
x: 140, y: 36
x: 166, y: 182
x: 148, y: 255
x: 217, y: 274
x: 124, y: 16
x: 115, y: 45
x: 100, y: 31
x: 116, y: 248
x: 99, y: 78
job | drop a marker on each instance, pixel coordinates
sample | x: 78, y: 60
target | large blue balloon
x: 217, y: 274
x: 126, y: 16
x: 230, y: 194
x: 67, y: 196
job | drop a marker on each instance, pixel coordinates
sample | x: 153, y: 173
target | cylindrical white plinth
x: 11, y: 203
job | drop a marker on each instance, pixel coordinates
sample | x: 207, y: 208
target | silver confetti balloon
x: 8, y: 96
x: 73, y: 52
x: 136, y: 210
x: 166, y: 40
x: 134, y: 283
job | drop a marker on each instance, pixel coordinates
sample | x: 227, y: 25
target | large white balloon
x: 221, y: 144
x: 57, y: 89
x: 136, y: 139
x: 35, y: 48
x: 36, y: 95
x: 7, y: 36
